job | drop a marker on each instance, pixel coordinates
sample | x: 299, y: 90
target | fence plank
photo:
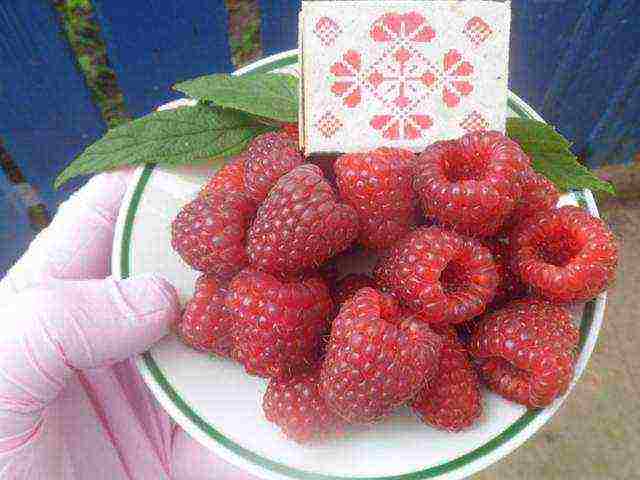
x: 155, y: 43
x: 279, y: 25
x: 46, y: 113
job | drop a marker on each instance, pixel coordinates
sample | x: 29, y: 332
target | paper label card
x: 401, y: 73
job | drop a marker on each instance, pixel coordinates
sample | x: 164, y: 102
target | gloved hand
x: 72, y: 404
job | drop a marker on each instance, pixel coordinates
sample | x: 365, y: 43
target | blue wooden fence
x: 577, y: 62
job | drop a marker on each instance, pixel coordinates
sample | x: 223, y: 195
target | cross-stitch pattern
x: 402, y: 73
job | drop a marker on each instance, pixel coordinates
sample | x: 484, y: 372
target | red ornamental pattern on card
x: 402, y: 77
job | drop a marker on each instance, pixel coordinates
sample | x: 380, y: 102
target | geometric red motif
x: 327, y: 31
x: 477, y: 30
x: 455, y: 84
x: 474, y: 122
x: 328, y: 124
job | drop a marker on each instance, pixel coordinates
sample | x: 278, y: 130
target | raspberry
x: 378, y: 185
x: 326, y: 164
x: 300, y: 225
x: 564, y: 254
x: 348, y: 286
x: 291, y: 129
x: 268, y: 157
x: 451, y: 400
x: 209, y: 234
x: 278, y: 325
x: 509, y: 285
x: 526, y: 351
x: 206, y: 324
x: 376, y: 360
x: 445, y: 277
x: 471, y: 184
x: 538, y: 193
x: 295, y: 405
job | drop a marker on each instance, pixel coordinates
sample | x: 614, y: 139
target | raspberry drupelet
x: 526, y: 351
x: 565, y: 254
x: 471, y: 185
x: 444, y: 277
x: 378, y: 185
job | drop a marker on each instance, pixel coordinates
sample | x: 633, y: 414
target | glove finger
x: 77, y: 245
x: 48, y: 332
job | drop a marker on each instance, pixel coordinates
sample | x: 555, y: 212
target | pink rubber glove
x: 72, y: 404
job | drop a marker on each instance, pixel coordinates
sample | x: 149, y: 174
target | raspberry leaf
x: 185, y: 135
x: 551, y: 156
x: 270, y: 95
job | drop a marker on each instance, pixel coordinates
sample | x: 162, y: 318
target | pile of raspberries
x: 475, y: 269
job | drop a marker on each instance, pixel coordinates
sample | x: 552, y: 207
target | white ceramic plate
x: 220, y: 406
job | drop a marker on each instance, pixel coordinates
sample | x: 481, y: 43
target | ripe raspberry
x: 564, y: 254
x: 278, y: 325
x: 228, y: 179
x: 206, y: 324
x: 347, y: 287
x: 526, y: 351
x: 291, y: 129
x: 326, y: 164
x: 300, y: 224
x: 452, y: 400
x: 378, y: 185
x: 509, y: 285
x: 445, y: 277
x: 209, y: 234
x: 295, y: 405
x: 471, y: 184
x: 268, y: 157
x: 538, y: 194
x: 375, y: 360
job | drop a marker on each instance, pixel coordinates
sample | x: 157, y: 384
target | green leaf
x: 184, y: 135
x: 270, y: 95
x: 551, y: 156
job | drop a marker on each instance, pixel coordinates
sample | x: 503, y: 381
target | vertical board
x: 594, y: 80
x: 46, y: 113
x: 15, y: 232
x: 279, y: 25
x: 153, y: 44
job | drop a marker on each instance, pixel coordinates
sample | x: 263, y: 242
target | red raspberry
x: 209, y: 234
x: 538, y: 194
x: 326, y: 164
x: 526, y: 351
x: 375, y: 360
x: 279, y: 326
x: 451, y: 400
x: 300, y: 225
x: 378, y: 185
x: 206, y: 324
x: 471, y: 184
x: 295, y: 405
x: 509, y: 285
x: 445, y: 277
x: 291, y: 129
x: 564, y: 254
x: 268, y: 157
x: 347, y: 287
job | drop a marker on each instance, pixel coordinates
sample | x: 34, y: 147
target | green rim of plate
x: 252, y: 457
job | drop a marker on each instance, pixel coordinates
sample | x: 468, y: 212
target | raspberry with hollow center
x: 294, y: 404
x: 472, y: 184
x: 526, y: 351
x: 376, y: 360
x: 206, y: 324
x: 378, y: 185
x: 452, y: 400
x: 279, y: 325
x: 300, y: 225
x: 268, y: 157
x: 564, y: 254
x: 445, y: 277
x: 208, y: 233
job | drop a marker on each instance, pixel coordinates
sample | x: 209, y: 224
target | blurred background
x: 70, y: 69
